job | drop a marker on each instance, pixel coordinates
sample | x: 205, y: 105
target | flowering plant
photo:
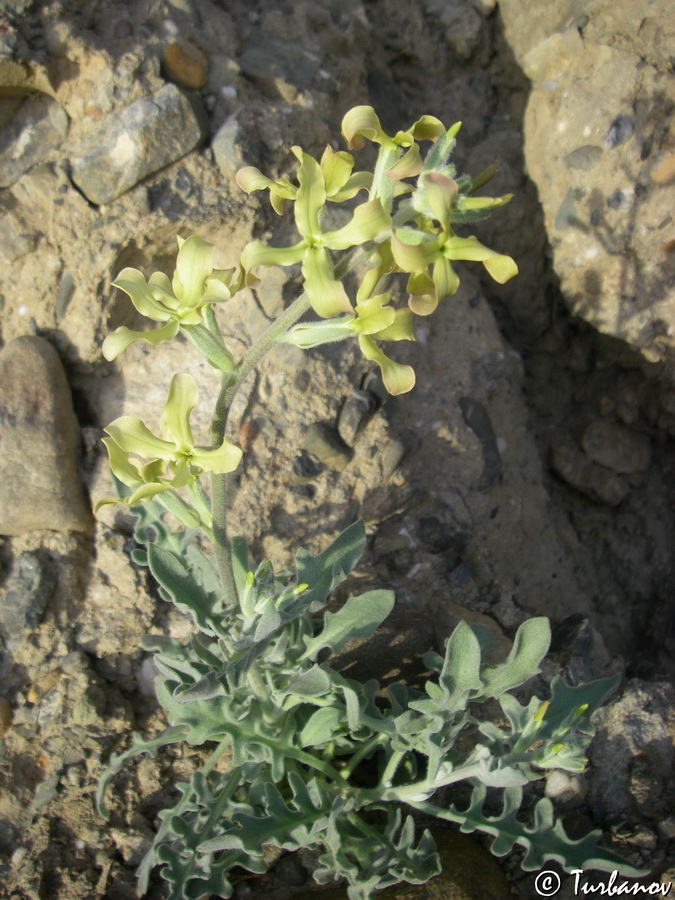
x: 319, y: 761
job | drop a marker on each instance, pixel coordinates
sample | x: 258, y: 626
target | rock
x: 5, y: 715
x: 14, y: 243
x: 448, y: 617
x: 616, y: 447
x: 445, y: 531
x: 633, y: 754
x: 38, y: 126
x: 579, y: 471
x: 469, y: 873
x: 595, y: 152
x: 139, y: 140
x: 227, y: 150
x: 477, y: 418
x: 355, y: 412
x: 393, y: 654
x: 290, y: 870
x: 282, y: 62
x: 461, y: 23
x: 566, y: 788
x: 306, y: 468
x: 25, y: 597
x: 185, y: 64
x: 39, y: 443
x: 321, y: 441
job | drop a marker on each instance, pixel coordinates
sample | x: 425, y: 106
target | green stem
x: 391, y: 767
x: 405, y: 793
x: 220, y: 483
x: 307, y: 759
x: 364, y: 751
x: 252, y: 357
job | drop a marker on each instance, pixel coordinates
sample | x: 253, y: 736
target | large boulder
x: 599, y: 148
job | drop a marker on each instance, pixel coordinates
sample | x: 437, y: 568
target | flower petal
x: 122, y: 467
x: 145, y: 492
x: 120, y: 339
x: 133, y: 283
x: 250, y: 179
x: 439, y: 191
x: 381, y: 262
x: 326, y: 294
x: 359, y: 123
x: 500, y: 267
x: 224, y: 459
x: 336, y: 168
x: 218, y: 286
x: 368, y: 221
x: 423, y: 299
x: 193, y: 266
x: 408, y: 165
x: 397, y: 378
x: 413, y: 257
x: 256, y: 253
x: 374, y: 314
x: 311, y: 196
x: 359, y: 181
x: 161, y: 290
x: 445, y: 278
x: 182, y: 398
x: 427, y: 128
x: 401, y: 328
x: 133, y: 436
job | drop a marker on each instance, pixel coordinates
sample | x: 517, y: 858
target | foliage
x: 300, y: 755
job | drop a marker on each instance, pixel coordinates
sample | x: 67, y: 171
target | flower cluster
x: 150, y: 465
x: 416, y: 238
x: 404, y: 225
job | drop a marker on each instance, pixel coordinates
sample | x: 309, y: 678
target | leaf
x: 460, y: 675
x: 117, y: 760
x: 577, y: 702
x: 314, y: 682
x: 173, y: 575
x: 324, y: 572
x: 358, y: 618
x: 546, y: 840
x: 321, y: 726
x: 529, y: 648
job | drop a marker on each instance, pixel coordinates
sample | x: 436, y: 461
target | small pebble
x: 324, y: 443
x: 185, y: 65
x: 355, y: 412
x: 619, y: 132
x: 147, y: 673
x: 5, y: 715
x: 291, y: 871
x: 565, y: 787
x: 307, y: 467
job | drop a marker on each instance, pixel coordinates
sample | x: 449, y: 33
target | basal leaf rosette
x: 326, y: 293
x: 150, y: 465
x: 177, y: 302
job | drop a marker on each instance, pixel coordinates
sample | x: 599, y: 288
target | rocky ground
x: 530, y: 472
